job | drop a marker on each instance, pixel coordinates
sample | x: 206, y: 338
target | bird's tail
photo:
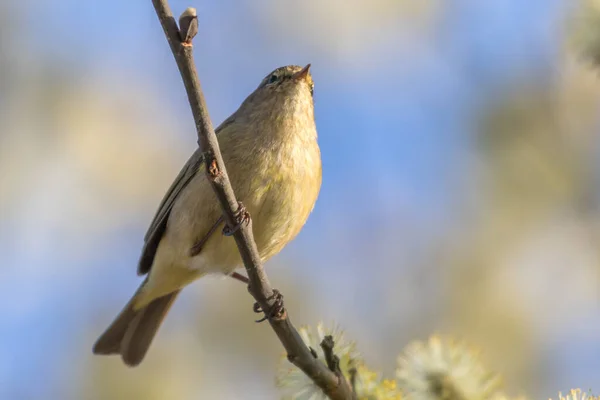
x: 132, y: 331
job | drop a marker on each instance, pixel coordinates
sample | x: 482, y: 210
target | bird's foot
x: 241, y: 217
x: 277, y: 310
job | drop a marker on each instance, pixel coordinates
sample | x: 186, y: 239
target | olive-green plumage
x: 269, y: 146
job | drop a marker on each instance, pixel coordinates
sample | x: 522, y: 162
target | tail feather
x: 132, y: 331
x: 110, y: 341
x: 143, y: 327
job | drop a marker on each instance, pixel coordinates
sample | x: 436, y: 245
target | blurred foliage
x: 439, y: 369
x: 444, y: 369
x: 343, y: 32
x: 538, y: 217
x: 584, y: 30
x: 577, y: 394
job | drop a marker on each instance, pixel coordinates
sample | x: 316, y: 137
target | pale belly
x: 279, y: 204
x: 279, y: 208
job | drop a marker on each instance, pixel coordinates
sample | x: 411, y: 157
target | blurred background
x: 461, y: 190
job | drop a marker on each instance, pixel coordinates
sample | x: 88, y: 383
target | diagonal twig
x: 333, y: 385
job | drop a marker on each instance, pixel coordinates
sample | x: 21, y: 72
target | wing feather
x: 159, y: 223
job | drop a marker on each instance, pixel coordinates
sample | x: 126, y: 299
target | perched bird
x: 269, y: 146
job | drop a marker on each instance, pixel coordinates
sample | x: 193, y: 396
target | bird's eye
x: 273, y: 78
x: 312, y: 90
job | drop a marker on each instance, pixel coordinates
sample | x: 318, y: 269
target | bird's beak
x: 302, y: 74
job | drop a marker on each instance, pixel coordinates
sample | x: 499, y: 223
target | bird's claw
x: 277, y: 310
x: 241, y: 217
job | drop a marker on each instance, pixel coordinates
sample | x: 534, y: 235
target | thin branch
x: 334, y: 386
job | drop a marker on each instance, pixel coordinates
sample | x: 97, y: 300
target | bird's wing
x: 159, y: 223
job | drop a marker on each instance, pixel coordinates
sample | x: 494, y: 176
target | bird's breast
x: 281, y: 191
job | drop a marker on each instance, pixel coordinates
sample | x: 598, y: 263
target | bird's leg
x: 197, y: 247
x: 240, y: 278
x: 241, y: 217
x: 277, y: 310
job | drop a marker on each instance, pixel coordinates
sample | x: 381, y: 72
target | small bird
x: 269, y: 146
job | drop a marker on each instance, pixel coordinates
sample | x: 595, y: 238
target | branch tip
x: 188, y: 26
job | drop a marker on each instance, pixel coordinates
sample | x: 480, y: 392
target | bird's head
x: 286, y: 92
